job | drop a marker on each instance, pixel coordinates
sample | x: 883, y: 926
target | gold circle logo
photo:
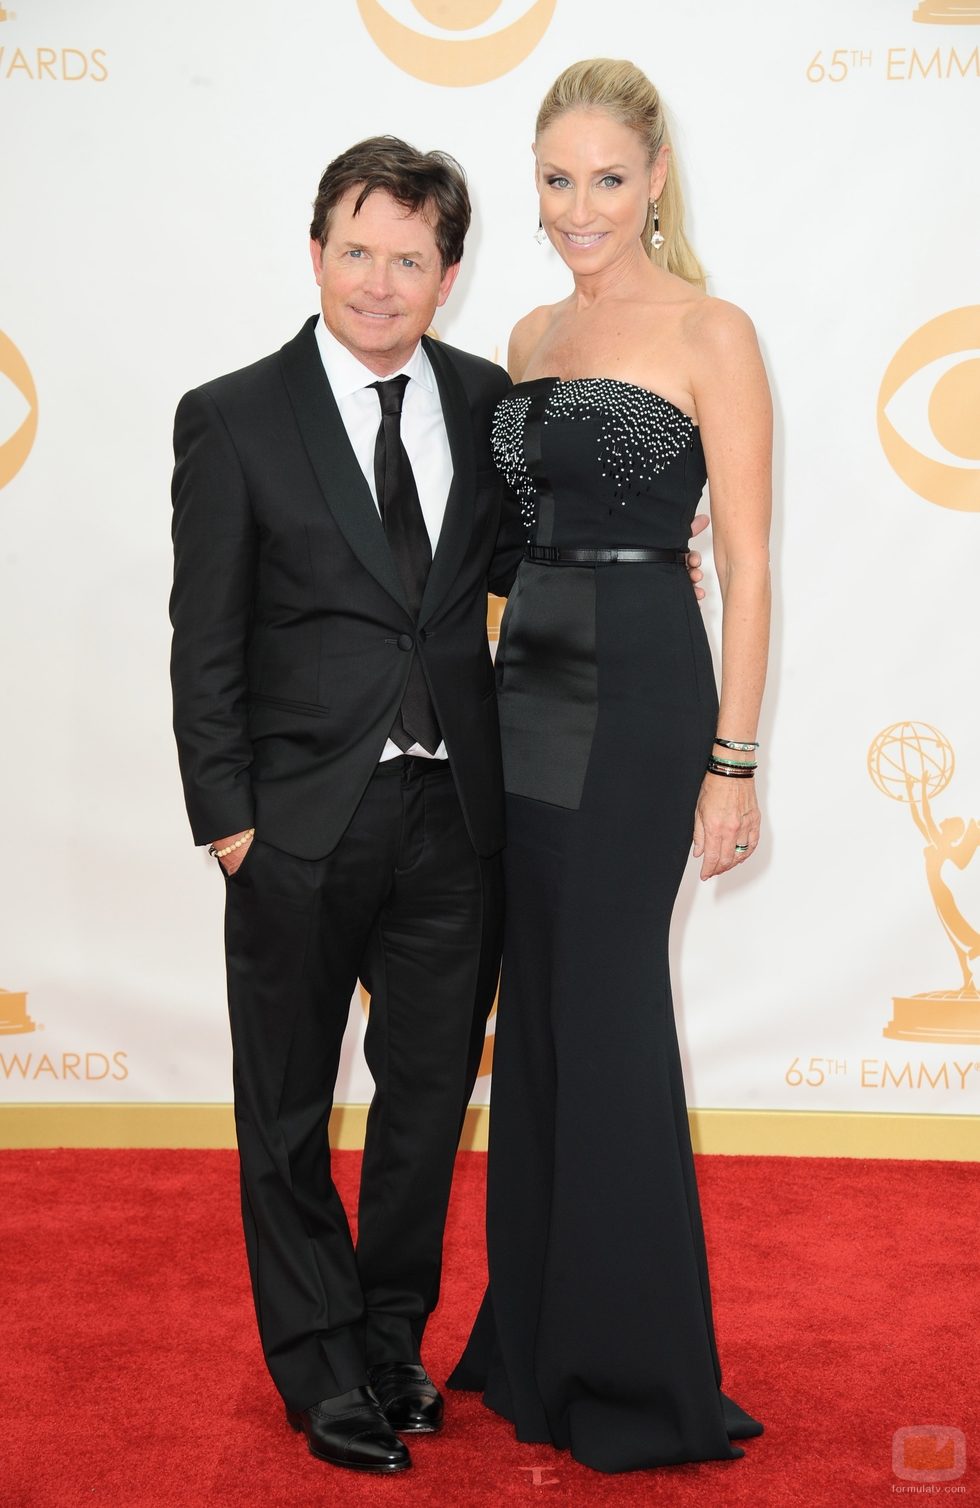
x: 456, y: 61
x: 15, y: 450
x: 953, y: 411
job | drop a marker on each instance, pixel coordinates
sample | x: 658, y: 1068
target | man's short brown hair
x: 431, y: 184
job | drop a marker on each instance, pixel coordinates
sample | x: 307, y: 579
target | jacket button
x: 405, y: 641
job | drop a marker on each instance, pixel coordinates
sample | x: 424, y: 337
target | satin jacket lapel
x: 341, y: 479
x: 457, y: 525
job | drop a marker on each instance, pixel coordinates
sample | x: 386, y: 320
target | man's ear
x: 446, y: 286
x: 316, y: 256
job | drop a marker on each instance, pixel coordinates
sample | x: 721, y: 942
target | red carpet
x: 846, y: 1299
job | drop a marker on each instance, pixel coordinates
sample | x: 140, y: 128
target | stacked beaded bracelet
x: 734, y: 769
x: 219, y: 853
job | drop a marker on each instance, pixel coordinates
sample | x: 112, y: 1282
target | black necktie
x: 408, y: 540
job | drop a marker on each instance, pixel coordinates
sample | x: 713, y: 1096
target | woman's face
x: 595, y: 186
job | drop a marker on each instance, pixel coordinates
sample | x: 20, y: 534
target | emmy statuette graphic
x: 13, y: 1013
x: 913, y: 763
x: 948, y: 13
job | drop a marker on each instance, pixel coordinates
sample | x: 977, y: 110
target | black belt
x: 550, y: 555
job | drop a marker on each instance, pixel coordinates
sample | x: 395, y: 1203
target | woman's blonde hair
x: 625, y: 93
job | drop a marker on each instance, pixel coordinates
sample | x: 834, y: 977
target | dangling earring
x: 540, y: 235
x: 656, y: 240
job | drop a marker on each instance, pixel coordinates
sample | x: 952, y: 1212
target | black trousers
x: 404, y: 904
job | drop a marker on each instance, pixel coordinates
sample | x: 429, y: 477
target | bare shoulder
x: 525, y: 336
x: 717, y: 329
x: 728, y: 375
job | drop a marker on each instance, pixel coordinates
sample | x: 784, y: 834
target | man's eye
x: 407, y: 262
x: 558, y: 182
x: 355, y: 252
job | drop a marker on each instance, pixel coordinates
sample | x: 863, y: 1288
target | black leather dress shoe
x: 409, y: 1399
x: 350, y: 1430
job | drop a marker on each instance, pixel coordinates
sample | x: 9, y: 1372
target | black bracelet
x: 748, y: 773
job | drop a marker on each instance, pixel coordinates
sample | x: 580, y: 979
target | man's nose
x: 378, y: 280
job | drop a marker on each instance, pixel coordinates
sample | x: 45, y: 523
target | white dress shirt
x: 423, y: 431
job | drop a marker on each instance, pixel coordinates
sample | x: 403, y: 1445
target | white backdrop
x: 157, y: 174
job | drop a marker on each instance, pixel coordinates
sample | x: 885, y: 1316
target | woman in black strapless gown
x: 596, y: 1330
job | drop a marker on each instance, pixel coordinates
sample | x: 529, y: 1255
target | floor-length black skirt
x: 596, y: 1331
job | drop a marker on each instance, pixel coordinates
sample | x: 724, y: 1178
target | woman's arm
x: 735, y: 414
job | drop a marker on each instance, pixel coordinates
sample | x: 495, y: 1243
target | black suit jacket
x: 292, y: 637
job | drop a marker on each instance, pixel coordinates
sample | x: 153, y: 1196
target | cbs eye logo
x: 439, y: 54
x: 929, y: 410
x: 18, y: 410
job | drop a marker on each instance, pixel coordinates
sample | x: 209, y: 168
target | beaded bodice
x: 596, y: 461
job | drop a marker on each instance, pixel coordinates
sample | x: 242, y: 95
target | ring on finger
x: 741, y: 848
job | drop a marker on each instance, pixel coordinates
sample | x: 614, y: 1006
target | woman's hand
x: 727, y: 813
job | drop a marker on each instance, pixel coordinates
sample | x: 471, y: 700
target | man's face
x: 380, y: 279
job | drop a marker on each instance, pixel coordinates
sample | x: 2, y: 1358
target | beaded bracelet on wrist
x: 219, y: 853
x: 747, y: 772
x: 738, y: 764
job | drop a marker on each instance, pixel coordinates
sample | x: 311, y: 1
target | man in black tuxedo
x: 336, y: 523
x: 339, y: 748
